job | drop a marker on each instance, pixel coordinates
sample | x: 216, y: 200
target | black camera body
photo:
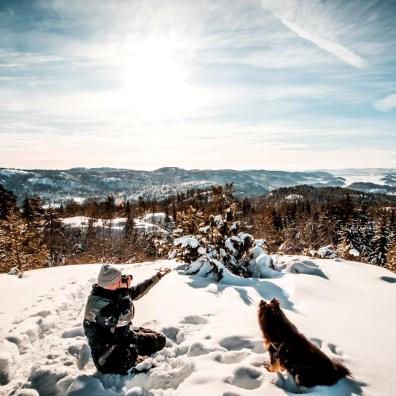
x: 124, y: 278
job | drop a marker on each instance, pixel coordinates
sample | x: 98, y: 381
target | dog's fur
x: 290, y: 350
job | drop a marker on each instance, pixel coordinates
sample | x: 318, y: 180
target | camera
x: 124, y: 278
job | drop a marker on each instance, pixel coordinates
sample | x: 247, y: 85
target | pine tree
x: 381, y: 244
x: 7, y: 202
x: 129, y: 230
x: 109, y: 207
x: 20, y: 246
x: 174, y: 212
x: 90, y: 237
x: 391, y: 262
x: 33, y: 212
x: 54, y: 234
x: 27, y: 210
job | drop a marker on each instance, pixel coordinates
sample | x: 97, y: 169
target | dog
x: 291, y: 351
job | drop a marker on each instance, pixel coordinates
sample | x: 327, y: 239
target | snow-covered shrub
x: 219, y: 248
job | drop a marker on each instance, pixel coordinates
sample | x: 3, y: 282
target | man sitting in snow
x: 115, y: 346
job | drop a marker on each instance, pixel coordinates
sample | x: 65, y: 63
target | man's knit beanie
x: 108, y: 275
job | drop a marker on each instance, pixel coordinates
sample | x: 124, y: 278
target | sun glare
x: 155, y: 80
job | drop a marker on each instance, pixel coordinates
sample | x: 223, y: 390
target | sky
x: 207, y: 84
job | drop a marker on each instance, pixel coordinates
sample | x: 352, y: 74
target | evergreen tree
x: 90, y: 237
x: 109, y: 207
x: 174, y: 211
x: 20, y: 246
x: 7, y: 202
x: 381, y: 244
x: 391, y: 261
x: 27, y: 210
x: 54, y: 235
x: 129, y: 230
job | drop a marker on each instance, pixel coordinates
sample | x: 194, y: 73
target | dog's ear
x: 262, y: 303
x: 275, y: 303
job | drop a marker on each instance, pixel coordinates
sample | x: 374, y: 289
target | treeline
x: 296, y: 220
x: 357, y: 226
x: 34, y: 235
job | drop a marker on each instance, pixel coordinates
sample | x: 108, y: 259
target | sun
x: 155, y: 80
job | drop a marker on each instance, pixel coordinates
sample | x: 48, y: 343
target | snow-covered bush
x: 220, y: 248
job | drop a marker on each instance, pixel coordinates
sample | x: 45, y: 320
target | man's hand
x: 125, y: 282
x: 163, y: 271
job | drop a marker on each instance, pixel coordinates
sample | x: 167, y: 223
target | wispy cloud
x: 290, y: 14
x: 386, y: 104
x: 341, y: 52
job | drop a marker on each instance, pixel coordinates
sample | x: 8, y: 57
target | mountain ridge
x: 60, y: 185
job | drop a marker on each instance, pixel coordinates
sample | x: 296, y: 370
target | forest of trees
x: 296, y: 220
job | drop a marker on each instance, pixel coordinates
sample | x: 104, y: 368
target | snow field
x: 214, y: 344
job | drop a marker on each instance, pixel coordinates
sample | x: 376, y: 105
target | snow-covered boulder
x: 354, y: 252
x: 326, y: 252
x: 13, y: 271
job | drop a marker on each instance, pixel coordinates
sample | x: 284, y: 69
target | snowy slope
x: 214, y: 345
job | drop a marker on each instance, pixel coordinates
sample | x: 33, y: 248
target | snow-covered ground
x: 214, y: 344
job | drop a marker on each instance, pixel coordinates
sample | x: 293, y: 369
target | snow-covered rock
x: 354, y: 252
x: 326, y: 252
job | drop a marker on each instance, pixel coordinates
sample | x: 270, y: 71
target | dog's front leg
x: 274, y: 365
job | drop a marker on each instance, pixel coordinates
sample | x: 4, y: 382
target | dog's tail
x: 341, y: 370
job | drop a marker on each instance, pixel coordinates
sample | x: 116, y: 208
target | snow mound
x: 307, y: 267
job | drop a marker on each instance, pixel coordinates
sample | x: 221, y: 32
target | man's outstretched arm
x: 142, y: 288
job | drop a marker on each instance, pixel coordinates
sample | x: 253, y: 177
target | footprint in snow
x: 334, y: 349
x: 232, y: 357
x: 245, y: 377
x: 195, y: 320
x: 317, y: 342
x: 44, y: 313
x: 198, y: 349
x: 236, y: 343
x: 74, y: 332
x: 174, y: 334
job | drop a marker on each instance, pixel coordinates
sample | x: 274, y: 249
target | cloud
x: 15, y: 59
x: 294, y: 15
x: 334, y: 48
x: 386, y: 104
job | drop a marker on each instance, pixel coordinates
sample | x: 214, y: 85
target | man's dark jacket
x: 108, y: 316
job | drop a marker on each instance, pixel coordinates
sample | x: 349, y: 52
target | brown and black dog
x: 290, y: 350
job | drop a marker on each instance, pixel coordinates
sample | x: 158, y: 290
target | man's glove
x: 162, y: 272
